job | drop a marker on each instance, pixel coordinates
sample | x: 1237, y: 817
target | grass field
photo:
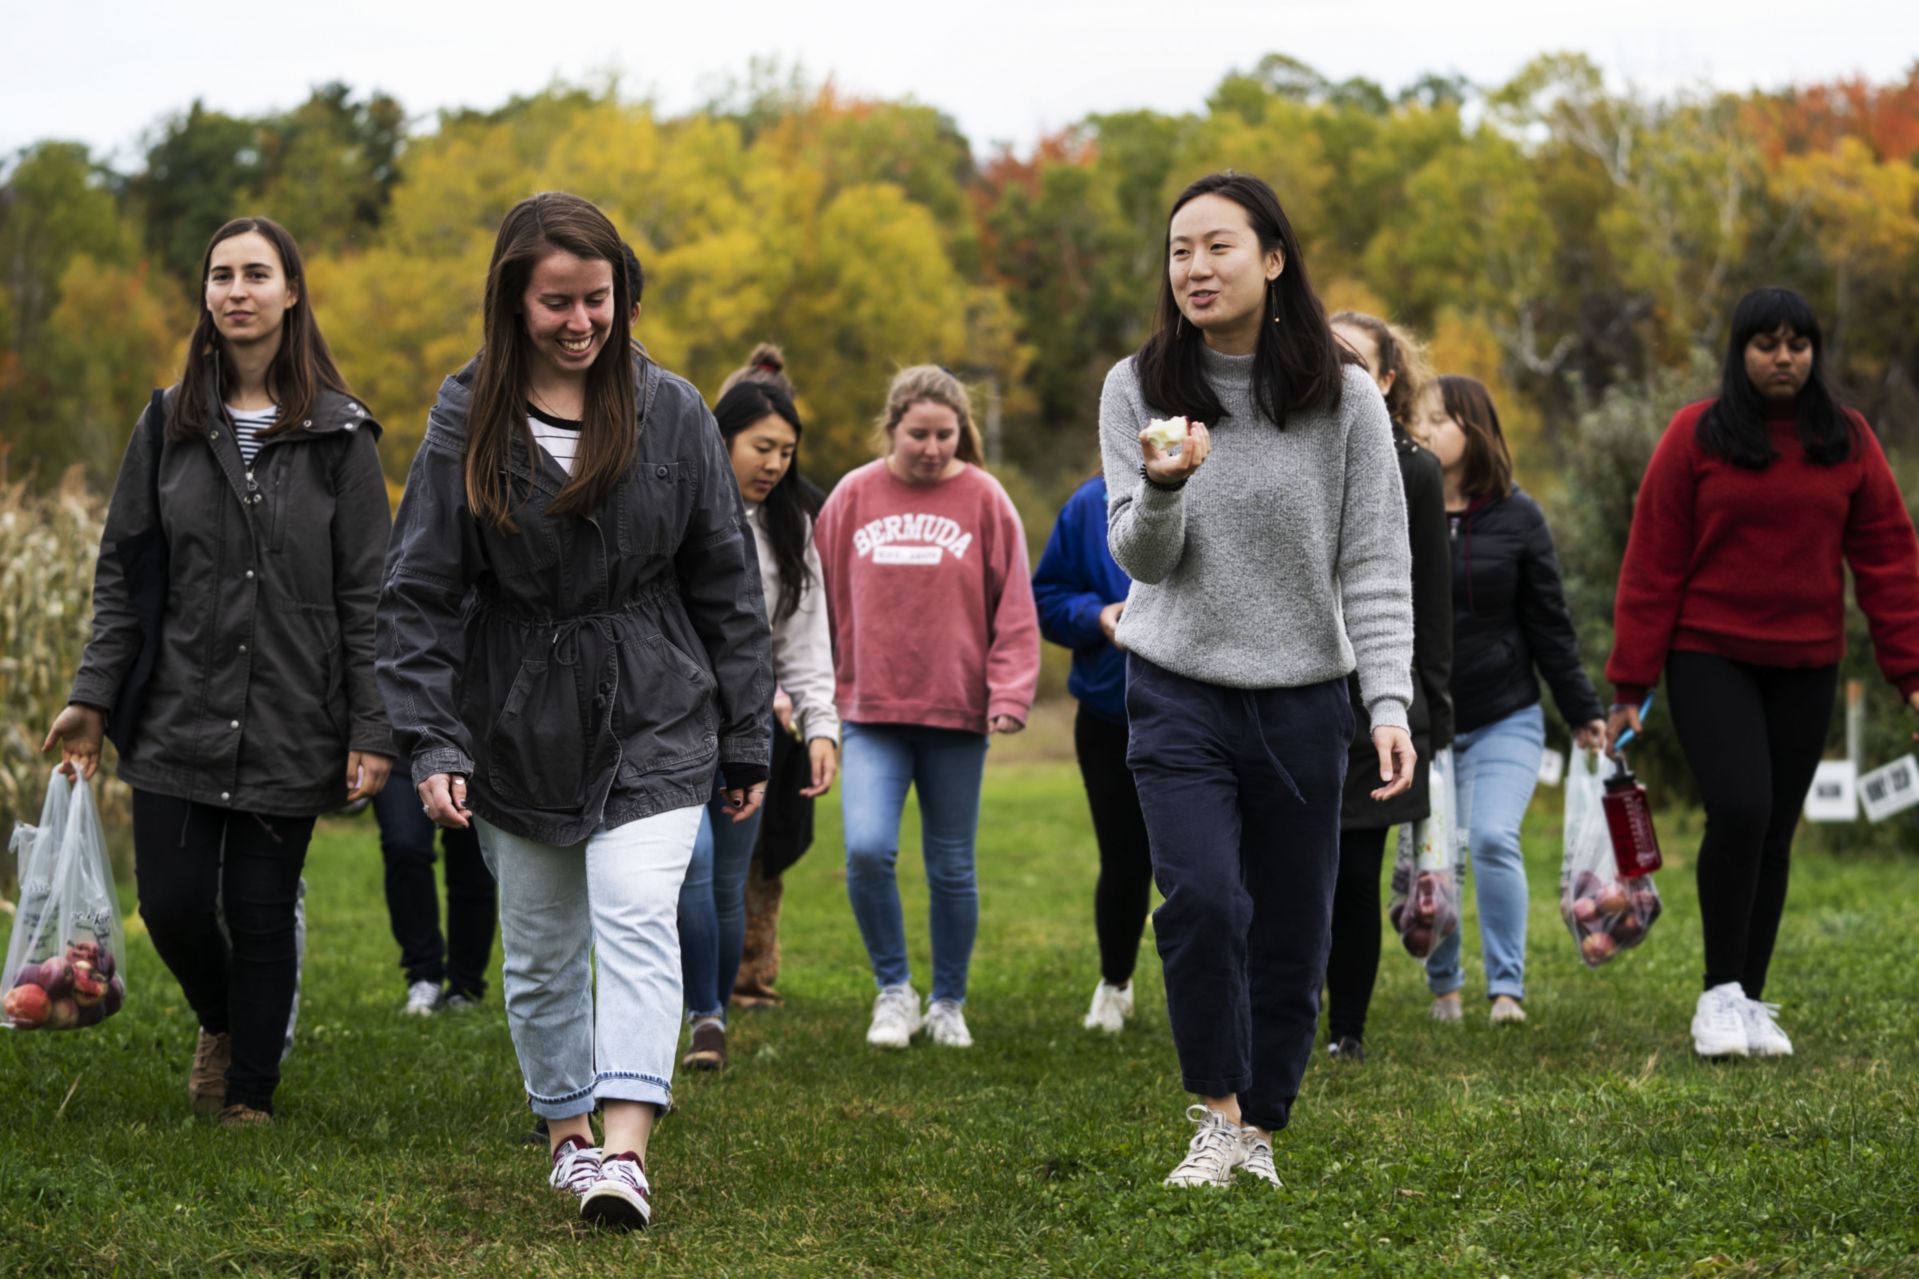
x: 1588, y: 1142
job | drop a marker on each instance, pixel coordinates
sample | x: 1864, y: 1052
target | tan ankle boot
x: 207, y: 1081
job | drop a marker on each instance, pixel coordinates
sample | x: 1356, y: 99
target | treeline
x: 1554, y: 237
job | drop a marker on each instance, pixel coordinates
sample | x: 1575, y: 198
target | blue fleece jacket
x: 1076, y: 578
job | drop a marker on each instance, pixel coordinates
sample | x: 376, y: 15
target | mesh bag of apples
x: 1425, y: 903
x: 1607, y: 912
x: 63, y: 959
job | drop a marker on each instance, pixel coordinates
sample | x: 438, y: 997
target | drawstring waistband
x: 1250, y: 699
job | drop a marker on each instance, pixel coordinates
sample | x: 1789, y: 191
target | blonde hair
x: 1402, y: 355
x: 929, y: 384
x: 766, y: 363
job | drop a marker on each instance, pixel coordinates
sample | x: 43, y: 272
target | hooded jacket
x: 583, y: 671
x: 264, y: 678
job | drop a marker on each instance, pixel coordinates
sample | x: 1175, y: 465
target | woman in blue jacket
x: 1081, y: 593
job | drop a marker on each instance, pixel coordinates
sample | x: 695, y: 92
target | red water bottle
x: 1635, y: 845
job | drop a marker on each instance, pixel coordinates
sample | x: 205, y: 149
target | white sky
x: 1007, y: 70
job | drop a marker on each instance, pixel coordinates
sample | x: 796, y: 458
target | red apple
x: 89, y: 987
x: 56, y: 977
x: 116, y: 995
x: 86, y: 949
x: 63, y: 1014
x: 1396, y: 913
x: 1612, y: 898
x: 1585, y: 908
x: 92, y: 1014
x: 26, y: 1006
x: 1628, y: 931
x: 1597, y: 949
x: 1418, y: 941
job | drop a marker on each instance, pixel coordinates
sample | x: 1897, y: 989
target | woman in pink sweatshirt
x: 936, y: 645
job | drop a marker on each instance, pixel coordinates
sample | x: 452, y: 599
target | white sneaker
x: 1763, y: 1036
x: 1719, y: 1022
x: 946, y: 1025
x: 422, y: 999
x: 1256, y: 1157
x: 896, y: 1018
x: 621, y: 1196
x: 1112, y: 1005
x: 576, y: 1167
x: 1214, y: 1152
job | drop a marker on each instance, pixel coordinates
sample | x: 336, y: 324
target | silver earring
x: 1179, y: 324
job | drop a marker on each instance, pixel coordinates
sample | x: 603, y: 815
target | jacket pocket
x: 536, y: 752
x: 653, y: 507
x: 666, y: 714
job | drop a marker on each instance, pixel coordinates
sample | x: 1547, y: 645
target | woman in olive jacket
x: 261, y: 711
x: 572, y: 638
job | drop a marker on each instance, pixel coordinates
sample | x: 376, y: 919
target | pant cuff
x: 1223, y: 1086
x: 565, y: 1106
x: 1446, y: 985
x: 629, y: 1086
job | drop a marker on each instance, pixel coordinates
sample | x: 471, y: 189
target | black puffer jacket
x: 581, y: 671
x: 264, y: 679
x: 1509, y: 617
x: 1430, y: 717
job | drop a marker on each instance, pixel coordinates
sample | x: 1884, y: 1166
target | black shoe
x: 706, y: 1050
x: 537, y: 1135
x: 1347, y: 1049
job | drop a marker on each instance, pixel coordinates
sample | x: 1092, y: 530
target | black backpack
x: 144, y: 564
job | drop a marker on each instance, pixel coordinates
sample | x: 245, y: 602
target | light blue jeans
x: 713, y: 908
x: 1497, y: 768
x: 945, y: 766
x: 614, y: 897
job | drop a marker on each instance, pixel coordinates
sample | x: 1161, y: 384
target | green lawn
x: 1587, y: 1142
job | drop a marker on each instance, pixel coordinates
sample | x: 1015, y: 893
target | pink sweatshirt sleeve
x: 1012, y: 621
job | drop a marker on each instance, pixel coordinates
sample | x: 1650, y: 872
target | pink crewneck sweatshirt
x: 931, y: 601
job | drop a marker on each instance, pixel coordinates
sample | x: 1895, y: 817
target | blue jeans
x: 945, y: 766
x: 1497, y: 768
x: 713, y: 908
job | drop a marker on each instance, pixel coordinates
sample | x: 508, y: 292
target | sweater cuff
x: 1635, y: 694
x: 1388, y: 712
x: 1010, y: 707
x: 1907, y: 685
x: 744, y: 776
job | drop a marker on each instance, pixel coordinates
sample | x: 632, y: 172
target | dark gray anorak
x: 580, y: 672
x: 264, y: 678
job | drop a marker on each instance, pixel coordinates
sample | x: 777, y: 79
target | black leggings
x: 194, y: 863
x: 1352, y: 965
x: 1753, y: 736
x: 1123, y: 893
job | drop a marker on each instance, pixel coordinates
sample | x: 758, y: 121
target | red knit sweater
x: 1748, y: 564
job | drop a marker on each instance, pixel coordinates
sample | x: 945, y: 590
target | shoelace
x: 1259, y: 1161
x: 576, y: 1170
x: 1212, y: 1141
x: 629, y: 1171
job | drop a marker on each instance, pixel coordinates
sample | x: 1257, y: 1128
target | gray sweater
x: 1283, y: 561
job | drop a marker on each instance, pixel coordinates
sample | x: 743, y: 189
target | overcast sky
x: 1007, y: 70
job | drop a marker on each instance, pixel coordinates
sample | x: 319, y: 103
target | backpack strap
x: 156, y: 427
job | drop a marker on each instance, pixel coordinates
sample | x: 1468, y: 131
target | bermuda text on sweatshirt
x: 932, y: 611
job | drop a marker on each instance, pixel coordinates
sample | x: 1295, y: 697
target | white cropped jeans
x: 613, y: 897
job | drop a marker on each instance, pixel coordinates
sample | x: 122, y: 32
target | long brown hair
x: 929, y: 383
x: 533, y: 228
x: 301, y: 368
x: 1400, y: 354
x: 1487, y: 468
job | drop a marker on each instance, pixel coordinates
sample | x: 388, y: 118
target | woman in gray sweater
x: 1267, y: 547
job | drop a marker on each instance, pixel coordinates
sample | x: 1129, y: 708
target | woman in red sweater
x: 1733, y: 585
x: 935, y: 644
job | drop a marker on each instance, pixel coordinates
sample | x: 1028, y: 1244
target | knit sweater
x: 1750, y: 565
x: 1284, y: 560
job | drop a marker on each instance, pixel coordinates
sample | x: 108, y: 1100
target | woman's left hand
x: 825, y: 756
x: 743, y: 802
x: 365, y: 775
x: 1006, y: 724
x: 1592, y: 736
x: 1396, y: 760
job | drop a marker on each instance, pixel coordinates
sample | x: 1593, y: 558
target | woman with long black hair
x: 1266, y: 538
x: 260, y: 712
x: 572, y: 640
x: 1754, y: 504
x: 762, y: 430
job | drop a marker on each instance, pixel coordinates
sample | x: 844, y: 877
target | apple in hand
x: 1167, y: 433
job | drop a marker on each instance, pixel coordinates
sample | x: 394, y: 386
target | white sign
x: 1834, y: 796
x: 1552, y: 768
x: 1891, y: 789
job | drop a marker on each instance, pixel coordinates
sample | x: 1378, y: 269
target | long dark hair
x: 788, y: 510
x: 1734, y: 426
x: 1296, y: 365
x: 1487, y: 468
x: 534, y: 227
x: 301, y: 369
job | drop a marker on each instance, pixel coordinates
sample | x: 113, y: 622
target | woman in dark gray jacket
x: 257, y: 709
x: 572, y: 638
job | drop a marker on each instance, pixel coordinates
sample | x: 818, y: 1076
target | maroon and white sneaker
x: 621, y: 1196
x: 576, y: 1167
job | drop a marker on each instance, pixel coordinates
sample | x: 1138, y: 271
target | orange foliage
x: 1815, y: 118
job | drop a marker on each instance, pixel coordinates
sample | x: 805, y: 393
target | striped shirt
x: 559, y: 436
x: 247, y: 426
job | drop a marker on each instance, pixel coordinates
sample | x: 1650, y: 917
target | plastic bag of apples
x: 1607, y: 912
x: 1424, y: 908
x: 63, y: 966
